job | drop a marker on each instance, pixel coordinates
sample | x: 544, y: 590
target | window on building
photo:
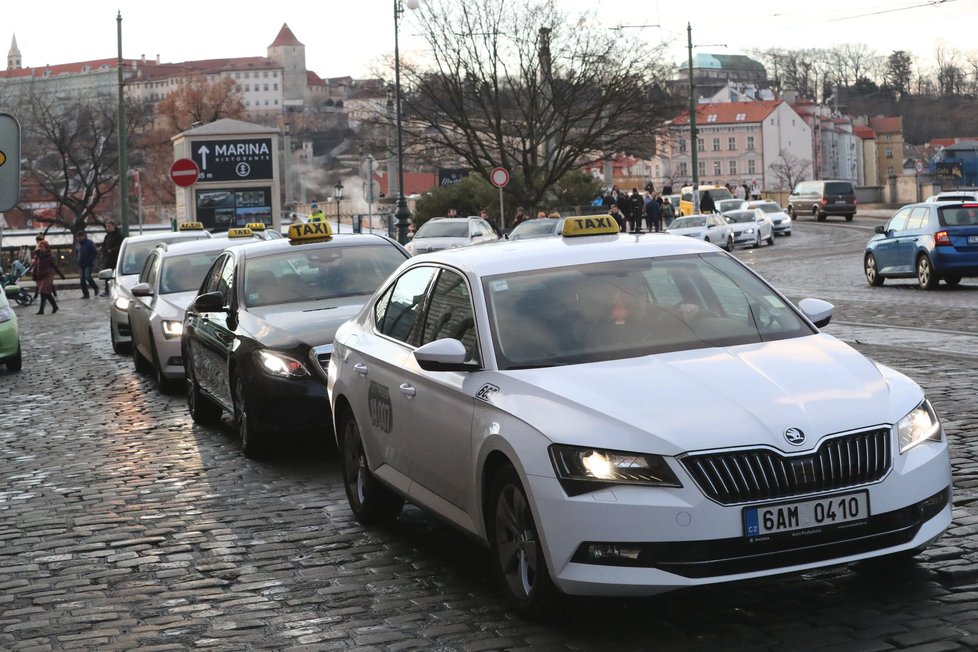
x: 733, y: 168
x: 700, y: 145
x: 247, y: 87
x: 683, y: 170
x: 712, y: 117
x: 889, y: 170
x: 275, y: 87
x: 750, y: 142
x: 889, y: 152
x: 265, y: 74
x: 751, y: 167
x: 716, y: 144
x: 682, y: 145
x: 741, y: 117
x: 701, y: 167
x: 731, y: 143
x: 716, y: 168
x: 266, y: 87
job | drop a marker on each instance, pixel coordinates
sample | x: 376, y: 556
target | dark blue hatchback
x: 930, y: 241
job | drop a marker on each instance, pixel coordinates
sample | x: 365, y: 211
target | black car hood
x: 312, y: 323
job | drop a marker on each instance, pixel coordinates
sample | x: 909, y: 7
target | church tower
x: 288, y: 52
x: 13, y: 57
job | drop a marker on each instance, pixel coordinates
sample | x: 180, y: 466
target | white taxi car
x: 545, y: 397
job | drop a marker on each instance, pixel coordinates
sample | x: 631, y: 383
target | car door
x: 906, y: 246
x: 437, y: 433
x: 140, y: 307
x: 887, y: 259
x: 377, y: 357
x: 213, y: 336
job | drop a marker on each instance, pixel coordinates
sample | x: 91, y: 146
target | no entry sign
x: 499, y: 177
x: 184, y: 172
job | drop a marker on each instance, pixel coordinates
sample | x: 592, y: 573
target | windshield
x: 134, y: 254
x: 185, y: 273
x: 687, y: 223
x: 770, y: 208
x: 740, y: 216
x: 719, y: 193
x: 838, y: 188
x: 631, y: 308
x: 538, y: 226
x: 311, y: 273
x: 966, y: 215
x: 444, y: 229
x: 730, y: 204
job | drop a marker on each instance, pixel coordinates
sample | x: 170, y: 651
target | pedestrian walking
x: 85, y: 254
x: 110, y: 249
x: 44, y: 270
x: 706, y: 203
x: 653, y: 215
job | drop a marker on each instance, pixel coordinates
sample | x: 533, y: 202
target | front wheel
x: 251, y: 441
x: 139, y: 363
x: 925, y: 273
x: 371, y: 501
x: 872, y: 272
x: 16, y: 361
x: 770, y: 238
x: 202, y: 410
x: 518, y: 562
x: 730, y: 243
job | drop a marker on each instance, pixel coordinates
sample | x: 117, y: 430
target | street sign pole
x: 499, y: 177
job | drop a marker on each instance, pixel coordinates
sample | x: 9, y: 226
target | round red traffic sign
x: 184, y: 172
x: 499, y: 177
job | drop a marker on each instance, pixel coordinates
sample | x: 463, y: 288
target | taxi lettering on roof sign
x: 255, y: 226
x: 240, y: 232
x: 191, y: 226
x: 590, y: 225
x: 309, y: 232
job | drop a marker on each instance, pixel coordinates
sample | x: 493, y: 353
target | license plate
x: 973, y: 239
x: 821, y: 512
x: 840, y: 201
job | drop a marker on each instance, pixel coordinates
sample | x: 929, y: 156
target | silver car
x: 450, y: 232
x: 711, y: 227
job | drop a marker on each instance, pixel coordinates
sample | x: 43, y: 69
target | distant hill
x: 924, y: 118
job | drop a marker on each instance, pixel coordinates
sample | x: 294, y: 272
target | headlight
x: 280, y: 365
x: 6, y: 314
x: 172, y: 328
x: 575, y: 465
x: 750, y: 230
x: 919, y: 426
x: 122, y: 303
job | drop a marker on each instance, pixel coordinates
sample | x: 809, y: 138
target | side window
x: 150, y: 269
x: 918, y: 216
x: 213, y: 281
x: 899, y: 221
x: 401, y: 315
x: 450, y: 313
x: 225, y: 283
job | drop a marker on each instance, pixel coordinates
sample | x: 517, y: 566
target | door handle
x: 360, y: 368
x: 407, y: 390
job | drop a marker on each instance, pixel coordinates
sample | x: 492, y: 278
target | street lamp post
x: 337, y: 196
x: 403, y: 214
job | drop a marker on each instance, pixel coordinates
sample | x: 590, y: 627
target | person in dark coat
x: 110, y: 249
x: 653, y: 215
x: 706, y: 203
x: 44, y: 270
x: 619, y: 217
x: 635, y: 207
x: 85, y: 254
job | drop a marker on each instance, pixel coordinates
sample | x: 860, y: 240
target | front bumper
x: 119, y: 319
x: 286, y: 405
x: 745, y: 238
x: 687, y: 540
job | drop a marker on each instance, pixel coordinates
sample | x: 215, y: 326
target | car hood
x: 436, y: 244
x: 692, y: 230
x: 310, y: 322
x: 746, y: 395
x: 173, y: 306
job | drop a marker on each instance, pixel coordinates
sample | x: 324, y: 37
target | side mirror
x: 818, y: 312
x: 880, y: 229
x: 106, y: 274
x: 141, y: 290
x: 210, y: 302
x: 442, y: 355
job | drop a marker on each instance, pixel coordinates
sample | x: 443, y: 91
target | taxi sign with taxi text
x: 590, y: 225
x: 309, y: 232
x: 255, y: 226
x: 240, y: 232
x: 191, y: 226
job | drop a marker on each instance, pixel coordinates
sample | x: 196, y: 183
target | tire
x: 818, y: 217
x: 730, y: 243
x: 757, y: 240
x: 849, y: 218
x: 770, y: 239
x: 202, y: 410
x: 16, y: 361
x: 164, y: 384
x: 791, y: 212
x: 252, y: 442
x: 139, y: 363
x: 952, y: 280
x: 121, y: 348
x: 787, y: 234
x: 925, y: 273
x: 872, y: 271
x: 370, y: 501
x: 518, y: 561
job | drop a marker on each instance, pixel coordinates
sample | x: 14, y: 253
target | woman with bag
x: 44, y: 270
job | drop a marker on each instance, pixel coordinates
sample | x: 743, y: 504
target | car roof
x: 159, y: 235
x: 258, y: 248
x: 193, y: 246
x: 503, y: 257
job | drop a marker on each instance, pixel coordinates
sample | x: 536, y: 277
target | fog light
x: 610, y: 552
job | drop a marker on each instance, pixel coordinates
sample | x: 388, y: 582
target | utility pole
x: 123, y: 162
x: 692, y: 124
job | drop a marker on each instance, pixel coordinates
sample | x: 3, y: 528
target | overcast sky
x: 344, y: 37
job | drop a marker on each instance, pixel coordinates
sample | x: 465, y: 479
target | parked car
x: 727, y: 205
x: 10, y: 353
x: 540, y: 227
x: 449, y: 232
x: 712, y: 228
x: 258, y: 336
x: 778, y: 216
x: 930, y: 241
x: 132, y: 255
x: 750, y: 227
x: 822, y: 198
x: 716, y: 193
x: 492, y: 387
x: 955, y: 195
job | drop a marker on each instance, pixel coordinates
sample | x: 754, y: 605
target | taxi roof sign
x: 255, y: 226
x: 590, y: 225
x: 240, y: 232
x: 309, y: 232
x: 191, y: 226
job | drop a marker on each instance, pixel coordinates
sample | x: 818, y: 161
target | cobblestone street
x: 124, y: 526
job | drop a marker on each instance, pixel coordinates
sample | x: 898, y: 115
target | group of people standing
x: 631, y: 210
x: 744, y: 191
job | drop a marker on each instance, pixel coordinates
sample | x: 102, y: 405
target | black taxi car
x: 257, y: 338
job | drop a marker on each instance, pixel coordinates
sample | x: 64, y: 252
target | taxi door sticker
x: 486, y: 392
x: 379, y: 405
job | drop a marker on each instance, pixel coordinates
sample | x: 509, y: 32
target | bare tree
x: 852, y: 62
x: 516, y: 84
x: 789, y: 170
x: 950, y: 76
x: 74, y: 151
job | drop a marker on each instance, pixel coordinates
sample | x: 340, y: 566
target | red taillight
x: 823, y: 201
x: 941, y: 238
x: 854, y: 202
x: 969, y: 205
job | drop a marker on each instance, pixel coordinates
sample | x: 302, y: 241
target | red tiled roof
x: 285, y: 37
x: 312, y: 79
x: 729, y: 113
x: 864, y: 132
x: 70, y: 68
x: 886, y: 124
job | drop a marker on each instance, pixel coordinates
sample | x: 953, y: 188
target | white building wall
x: 783, y: 130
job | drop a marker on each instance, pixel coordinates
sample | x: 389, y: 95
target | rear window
x: 958, y: 215
x: 838, y: 188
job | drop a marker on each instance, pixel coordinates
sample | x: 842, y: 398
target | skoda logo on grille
x: 794, y: 436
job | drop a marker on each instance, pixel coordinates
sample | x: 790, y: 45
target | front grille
x: 742, y: 476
